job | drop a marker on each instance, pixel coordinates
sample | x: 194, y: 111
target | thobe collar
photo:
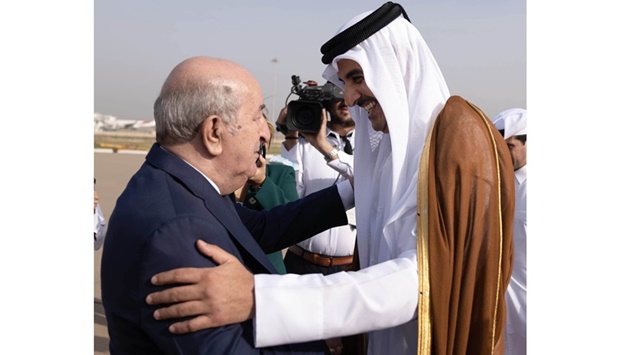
x: 521, y: 174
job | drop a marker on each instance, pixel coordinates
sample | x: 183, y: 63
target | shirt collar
x: 332, y: 133
x: 205, y: 176
x: 521, y: 174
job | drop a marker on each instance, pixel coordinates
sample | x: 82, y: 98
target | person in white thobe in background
x: 512, y: 124
x: 100, y: 224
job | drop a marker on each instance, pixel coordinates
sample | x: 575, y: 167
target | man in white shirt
x: 396, y: 94
x: 332, y: 250
x: 513, y: 126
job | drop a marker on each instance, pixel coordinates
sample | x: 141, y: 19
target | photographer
x: 330, y: 162
x: 324, y: 158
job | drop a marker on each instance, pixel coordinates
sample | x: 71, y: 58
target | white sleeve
x: 100, y: 227
x: 295, y: 155
x: 289, y: 154
x: 345, y: 190
x: 296, y: 308
x: 343, y: 165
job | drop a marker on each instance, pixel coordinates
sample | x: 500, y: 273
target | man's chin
x: 375, y: 126
x: 348, y: 121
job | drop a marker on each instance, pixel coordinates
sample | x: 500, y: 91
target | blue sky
x: 480, y: 45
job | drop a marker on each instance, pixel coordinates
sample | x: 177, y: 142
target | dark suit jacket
x: 165, y: 208
x: 278, y: 188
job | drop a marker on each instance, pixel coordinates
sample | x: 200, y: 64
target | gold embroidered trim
x: 501, y: 235
x: 424, y: 301
x: 424, y: 316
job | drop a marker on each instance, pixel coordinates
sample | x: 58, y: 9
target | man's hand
x: 319, y: 139
x: 282, y: 116
x: 291, y: 136
x: 218, y: 295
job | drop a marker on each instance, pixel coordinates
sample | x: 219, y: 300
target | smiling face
x: 356, y: 92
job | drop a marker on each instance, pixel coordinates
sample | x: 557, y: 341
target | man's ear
x: 211, y: 131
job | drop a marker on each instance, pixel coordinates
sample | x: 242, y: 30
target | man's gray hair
x: 179, y: 111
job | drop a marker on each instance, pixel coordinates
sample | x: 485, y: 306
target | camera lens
x: 304, y: 116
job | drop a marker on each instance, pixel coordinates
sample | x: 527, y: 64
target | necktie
x: 347, y: 145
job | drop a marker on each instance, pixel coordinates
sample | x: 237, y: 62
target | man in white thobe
x: 512, y: 124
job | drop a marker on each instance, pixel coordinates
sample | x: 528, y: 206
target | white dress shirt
x: 312, y: 174
x: 517, y: 289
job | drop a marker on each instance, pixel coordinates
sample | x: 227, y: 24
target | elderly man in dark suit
x: 209, y: 129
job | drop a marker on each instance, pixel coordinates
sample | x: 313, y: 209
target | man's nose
x: 263, y: 131
x: 350, y: 96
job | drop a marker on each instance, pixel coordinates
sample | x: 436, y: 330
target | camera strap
x: 360, y: 31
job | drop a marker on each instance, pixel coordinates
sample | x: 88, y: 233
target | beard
x: 339, y: 116
x: 345, y: 123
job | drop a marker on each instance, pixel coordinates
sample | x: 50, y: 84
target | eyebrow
x: 353, y: 72
x: 262, y: 107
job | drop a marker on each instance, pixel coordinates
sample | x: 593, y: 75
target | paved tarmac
x: 112, y: 171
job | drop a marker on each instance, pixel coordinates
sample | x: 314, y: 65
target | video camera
x: 304, y: 115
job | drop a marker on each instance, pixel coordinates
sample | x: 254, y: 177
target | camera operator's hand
x: 319, y: 139
x: 281, y: 121
x: 291, y: 137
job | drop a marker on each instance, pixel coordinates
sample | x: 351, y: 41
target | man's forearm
x: 385, y: 295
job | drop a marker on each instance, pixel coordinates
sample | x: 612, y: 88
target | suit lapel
x: 221, y: 207
x: 229, y: 217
